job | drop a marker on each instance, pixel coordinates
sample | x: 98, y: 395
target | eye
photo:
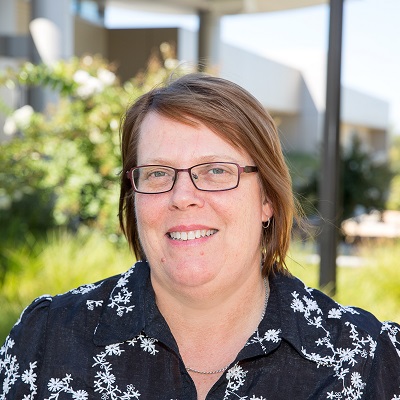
x: 157, y: 173
x: 217, y: 171
x: 221, y: 169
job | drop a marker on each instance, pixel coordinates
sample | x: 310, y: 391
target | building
x: 296, y: 103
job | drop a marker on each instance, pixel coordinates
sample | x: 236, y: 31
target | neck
x: 210, y: 334
x: 198, y: 314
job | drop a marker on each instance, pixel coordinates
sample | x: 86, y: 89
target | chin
x: 186, y: 273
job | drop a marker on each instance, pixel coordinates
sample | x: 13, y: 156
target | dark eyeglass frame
x: 246, y: 169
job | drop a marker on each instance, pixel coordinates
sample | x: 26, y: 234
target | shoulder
x: 51, y: 322
x: 87, y: 297
x: 93, y: 294
x: 19, y: 355
x: 34, y: 314
x: 315, y: 307
x: 311, y: 320
x: 350, y: 340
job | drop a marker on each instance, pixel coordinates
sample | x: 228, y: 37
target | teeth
x: 191, y: 234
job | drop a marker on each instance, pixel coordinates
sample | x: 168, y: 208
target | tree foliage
x: 61, y: 167
x: 394, y: 196
x: 364, y: 183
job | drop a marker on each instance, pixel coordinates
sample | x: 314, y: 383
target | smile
x: 191, y: 235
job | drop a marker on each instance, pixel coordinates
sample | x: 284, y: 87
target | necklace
x: 223, y: 369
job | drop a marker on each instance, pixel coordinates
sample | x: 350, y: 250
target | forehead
x: 162, y: 138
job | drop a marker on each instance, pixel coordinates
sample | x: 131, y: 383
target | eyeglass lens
x: 209, y: 177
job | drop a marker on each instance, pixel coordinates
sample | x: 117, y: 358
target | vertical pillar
x: 209, y: 39
x: 14, y: 48
x: 101, y: 11
x: 330, y: 160
x: 57, y: 14
x: 7, y: 18
x: 51, y: 29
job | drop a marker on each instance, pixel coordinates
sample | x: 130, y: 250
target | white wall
x: 275, y: 85
x: 361, y: 109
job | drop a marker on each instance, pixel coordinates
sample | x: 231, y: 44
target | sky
x: 299, y: 38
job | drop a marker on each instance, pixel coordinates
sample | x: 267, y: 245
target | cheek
x: 146, y: 214
x: 147, y: 222
x: 246, y: 212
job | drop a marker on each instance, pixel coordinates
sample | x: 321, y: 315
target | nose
x: 184, y: 194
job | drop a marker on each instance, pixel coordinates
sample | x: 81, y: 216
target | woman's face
x: 234, y: 217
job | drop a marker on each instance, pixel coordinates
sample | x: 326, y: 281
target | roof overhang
x: 221, y: 7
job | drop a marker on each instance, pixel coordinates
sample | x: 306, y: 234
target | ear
x: 267, y: 210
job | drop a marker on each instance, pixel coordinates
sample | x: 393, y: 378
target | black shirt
x: 109, y: 341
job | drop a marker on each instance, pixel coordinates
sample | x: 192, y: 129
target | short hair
x: 237, y: 117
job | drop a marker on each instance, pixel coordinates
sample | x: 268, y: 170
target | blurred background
x: 69, y: 69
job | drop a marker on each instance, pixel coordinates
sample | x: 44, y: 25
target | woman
x: 210, y: 311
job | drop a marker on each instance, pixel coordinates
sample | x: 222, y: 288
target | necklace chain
x: 217, y: 371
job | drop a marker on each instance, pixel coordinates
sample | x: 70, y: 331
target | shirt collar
x: 295, y: 316
x: 292, y: 314
x: 313, y: 323
x: 129, y: 309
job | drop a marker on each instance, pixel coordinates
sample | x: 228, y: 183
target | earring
x: 265, y: 225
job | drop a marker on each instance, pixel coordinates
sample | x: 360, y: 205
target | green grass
x: 65, y: 261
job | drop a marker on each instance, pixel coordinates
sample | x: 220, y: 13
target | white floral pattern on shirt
x: 91, y: 304
x: 393, y: 333
x: 146, y: 343
x: 106, y: 382
x: 236, y: 375
x: 121, y: 297
x: 272, y: 335
x: 85, y: 288
x: 342, y: 360
x: 10, y: 365
x: 57, y: 386
x: 236, y: 378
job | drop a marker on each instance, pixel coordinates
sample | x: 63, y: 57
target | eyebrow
x: 199, y: 160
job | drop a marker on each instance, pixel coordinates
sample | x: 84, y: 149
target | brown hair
x: 236, y: 116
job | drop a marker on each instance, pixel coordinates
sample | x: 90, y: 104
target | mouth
x: 191, y: 235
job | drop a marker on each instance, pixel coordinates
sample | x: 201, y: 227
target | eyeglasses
x: 209, y: 177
